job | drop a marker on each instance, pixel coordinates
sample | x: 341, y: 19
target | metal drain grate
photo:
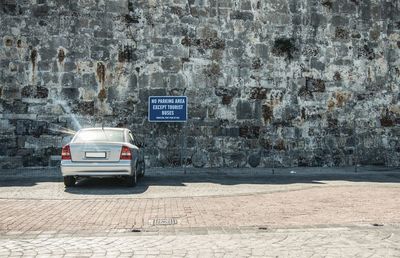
x: 163, y: 221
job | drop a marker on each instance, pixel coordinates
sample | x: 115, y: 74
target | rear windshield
x: 100, y: 136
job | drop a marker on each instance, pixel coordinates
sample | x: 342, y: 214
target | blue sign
x: 167, y: 109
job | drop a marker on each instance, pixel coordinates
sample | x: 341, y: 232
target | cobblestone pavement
x: 292, y: 213
x: 317, y: 242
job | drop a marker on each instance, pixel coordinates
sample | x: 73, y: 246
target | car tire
x: 69, y: 181
x: 131, y: 181
x: 142, y: 169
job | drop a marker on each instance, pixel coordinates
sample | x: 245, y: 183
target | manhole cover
x: 163, y: 221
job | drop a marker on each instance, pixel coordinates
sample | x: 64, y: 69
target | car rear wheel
x: 131, y: 180
x: 69, y: 181
x: 142, y: 169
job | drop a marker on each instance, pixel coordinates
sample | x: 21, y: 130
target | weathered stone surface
x: 70, y: 93
x: 251, y: 132
x: 34, y: 92
x: 199, y: 159
x: 258, y: 93
x: 171, y: 64
x: 288, y: 77
x: 341, y: 33
x: 204, y: 43
x: 237, y: 15
x: 284, y: 47
x: 254, y: 159
x: 366, y: 52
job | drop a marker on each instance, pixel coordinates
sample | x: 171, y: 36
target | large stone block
x: 70, y: 93
x: 89, y: 81
x: 43, y: 142
x: 37, y: 92
x: 9, y: 7
x: 14, y: 107
x: 145, y: 93
x: 340, y: 21
x: 250, y: 132
x: 247, y: 110
x: 10, y: 93
x: 10, y: 162
x: 254, y: 159
x: 31, y: 127
x: 40, y: 10
x: 68, y: 79
x: 238, y: 15
x: 199, y: 159
x: 235, y: 159
x: 101, y: 53
x: 120, y: 7
x: 171, y: 64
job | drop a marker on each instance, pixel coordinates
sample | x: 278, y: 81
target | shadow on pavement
x: 281, y: 178
x: 106, y: 186
x: 176, y: 177
x: 26, y: 181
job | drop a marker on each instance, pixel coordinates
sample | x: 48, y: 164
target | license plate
x: 95, y: 154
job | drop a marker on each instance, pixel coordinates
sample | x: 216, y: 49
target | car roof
x: 105, y: 128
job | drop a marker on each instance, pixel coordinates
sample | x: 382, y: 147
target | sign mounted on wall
x: 167, y: 109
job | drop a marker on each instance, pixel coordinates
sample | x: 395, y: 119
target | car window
x: 131, y: 139
x: 100, y: 136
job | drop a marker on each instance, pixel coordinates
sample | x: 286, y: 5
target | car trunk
x: 95, y: 152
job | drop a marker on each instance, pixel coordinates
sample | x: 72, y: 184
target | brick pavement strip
x: 313, y: 206
x: 317, y: 242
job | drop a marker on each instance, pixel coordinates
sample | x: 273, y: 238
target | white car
x: 102, y: 152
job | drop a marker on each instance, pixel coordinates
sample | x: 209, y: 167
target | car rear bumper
x: 96, y: 169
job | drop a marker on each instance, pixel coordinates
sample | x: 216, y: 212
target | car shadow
x: 105, y: 186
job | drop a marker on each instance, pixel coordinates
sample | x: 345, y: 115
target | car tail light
x: 126, y: 153
x: 66, y: 153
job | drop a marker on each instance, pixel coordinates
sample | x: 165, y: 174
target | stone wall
x: 297, y: 82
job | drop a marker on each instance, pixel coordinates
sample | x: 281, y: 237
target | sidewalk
x: 30, y: 172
